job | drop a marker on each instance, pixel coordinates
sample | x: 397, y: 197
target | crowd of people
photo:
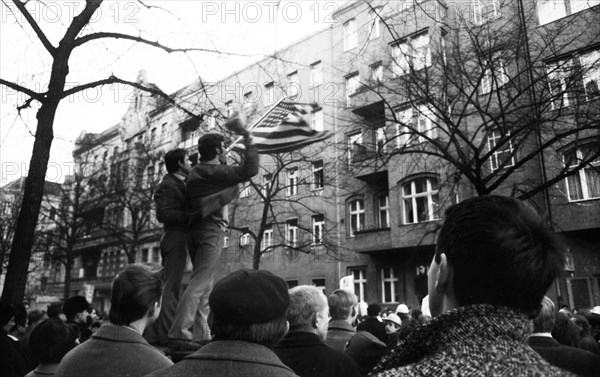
x: 486, y: 313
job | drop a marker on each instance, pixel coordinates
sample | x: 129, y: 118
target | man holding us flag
x: 211, y: 178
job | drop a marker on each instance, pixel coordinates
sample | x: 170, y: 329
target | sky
x: 239, y: 32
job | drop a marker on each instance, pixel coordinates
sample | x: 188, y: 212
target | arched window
x: 420, y: 200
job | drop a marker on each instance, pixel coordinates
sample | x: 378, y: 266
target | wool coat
x: 573, y: 359
x: 113, y: 351
x: 226, y: 358
x: 339, y: 333
x: 475, y: 340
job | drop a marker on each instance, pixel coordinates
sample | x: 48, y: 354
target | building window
x: 412, y: 53
x: 318, y: 226
x: 319, y: 283
x: 150, y: 174
x: 360, y: 283
x: 316, y: 73
x: 226, y: 239
x: 376, y: 73
x: 245, y: 191
x: 292, y: 188
x: 552, y: 10
x: 291, y: 232
x: 318, y: 175
x: 374, y: 24
x: 156, y: 255
x: 293, y: 86
x: 145, y: 257
x: 292, y: 283
x: 269, y: 93
x: 485, y: 11
x: 420, y: 200
x: 245, y: 237
x: 585, y: 183
x: 317, y: 120
x: 355, y: 147
x: 350, y: 37
x: 267, y: 240
x: 380, y: 140
x: 494, y: 74
x: 383, y: 210
x: 389, y: 285
x: 590, y: 64
x: 352, y: 85
x: 356, y: 209
x: 502, y: 155
x: 559, y: 81
x: 412, y: 130
x: 266, y: 186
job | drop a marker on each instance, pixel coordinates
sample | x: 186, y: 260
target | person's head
x: 342, y: 305
x: 308, y: 310
x: 373, y: 310
x: 403, y: 312
x: 565, y: 331
x: 249, y: 305
x: 583, y: 324
x: 493, y: 250
x: 176, y: 160
x: 51, y: 340
x: 136, y: 294
x: 35, y: 317
x: 544, y: 322
x: 7, y: 316
x: 76, y: 309
x: 211, y: 146
x: 393, y: 323
x: 20, y: 320
x: 55, y: 310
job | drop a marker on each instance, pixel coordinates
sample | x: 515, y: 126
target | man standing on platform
x: 207, y: 225
x: 171, y: 210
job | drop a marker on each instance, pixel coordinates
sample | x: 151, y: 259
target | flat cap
x: 249, y: 296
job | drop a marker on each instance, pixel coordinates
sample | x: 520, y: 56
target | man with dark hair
x: 171, y: 210
x: 495, y: 259
x: 118, y: 348
x: 205, y: 234
x: 343, y: 309
x: 303, y: 349
x: 568, y: 358
x: 76, y: 311
x: 247, y: 317
x: 12, y: 360
x: 373, y: 324
x: 50, y: 341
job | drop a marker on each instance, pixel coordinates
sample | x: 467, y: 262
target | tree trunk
x: 67, y: 287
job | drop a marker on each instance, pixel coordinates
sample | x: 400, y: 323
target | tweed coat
x: 474, y: 340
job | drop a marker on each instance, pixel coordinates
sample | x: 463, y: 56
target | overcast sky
x: 250, y: 28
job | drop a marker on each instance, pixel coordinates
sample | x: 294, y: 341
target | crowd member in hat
x: 50, y: 341
x: 118, y: 348
x: 303, y: 349
x: 76, y: 310
x: 393, y: 324
x: 247, y: 317
x: 494, y: 261
x: 565, y: 357
x: 12, y: 359
x: 205, y: 235
x: 171, y: 210
x: 343, y: 309
x: 373, y: 324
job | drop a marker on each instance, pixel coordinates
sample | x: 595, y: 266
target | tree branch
x: 36, y: 28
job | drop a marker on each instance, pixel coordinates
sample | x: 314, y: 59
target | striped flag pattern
x: 285, y: 129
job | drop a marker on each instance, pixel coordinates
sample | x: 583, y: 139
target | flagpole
x: 255, y: 123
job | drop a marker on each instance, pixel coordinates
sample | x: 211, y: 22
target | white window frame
x: 590, y: 64
x: 430, y: 194
x: 380, y: 140
x: 479, y: 11
x: 267, y: 240
x: 559, y: 73
x: 291, y: 232
x: 350, y: 35
x: 267, y: 178
x: 293, y: 178
x: 317, y: 120
x: 425, y: 123
x: 318, y: 171
x: 584, y: 181
x: 374, y: 24
x: 269, y: 93
x: 316, y: 73
x: 414, y: 52
x: 318, y: 227
x: 383, y: 210
x: 552, y: 10
x: 245, y: 191
x: 293, y: 86
x: 245, y: 238
x: 355, y: 138
x: 493, y: 138
x: 392, y: 280
x: 360, y: 282
x: 493, y: 77
x: 226, y: 239
x: 352, y: 85
x: 356, y: 215
x: 376, y: 73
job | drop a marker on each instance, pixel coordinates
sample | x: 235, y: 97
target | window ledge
x: 371, y: 230
x: 583, y: 200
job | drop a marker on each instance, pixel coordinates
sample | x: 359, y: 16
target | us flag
x: 284, y: 128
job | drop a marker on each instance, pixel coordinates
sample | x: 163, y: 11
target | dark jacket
x: 339, y: 333
x: 227, y: 358
x: 568, y: 358
x: 374, y: 326
x: 475, y: 340
x: 366, y: 350
x: 171, y: 203
x: 12, y: 359
x: 113, y: 351
x: 308, y: 356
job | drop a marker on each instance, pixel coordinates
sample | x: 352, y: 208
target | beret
x: 249, y: 296
x: 74, y: 305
